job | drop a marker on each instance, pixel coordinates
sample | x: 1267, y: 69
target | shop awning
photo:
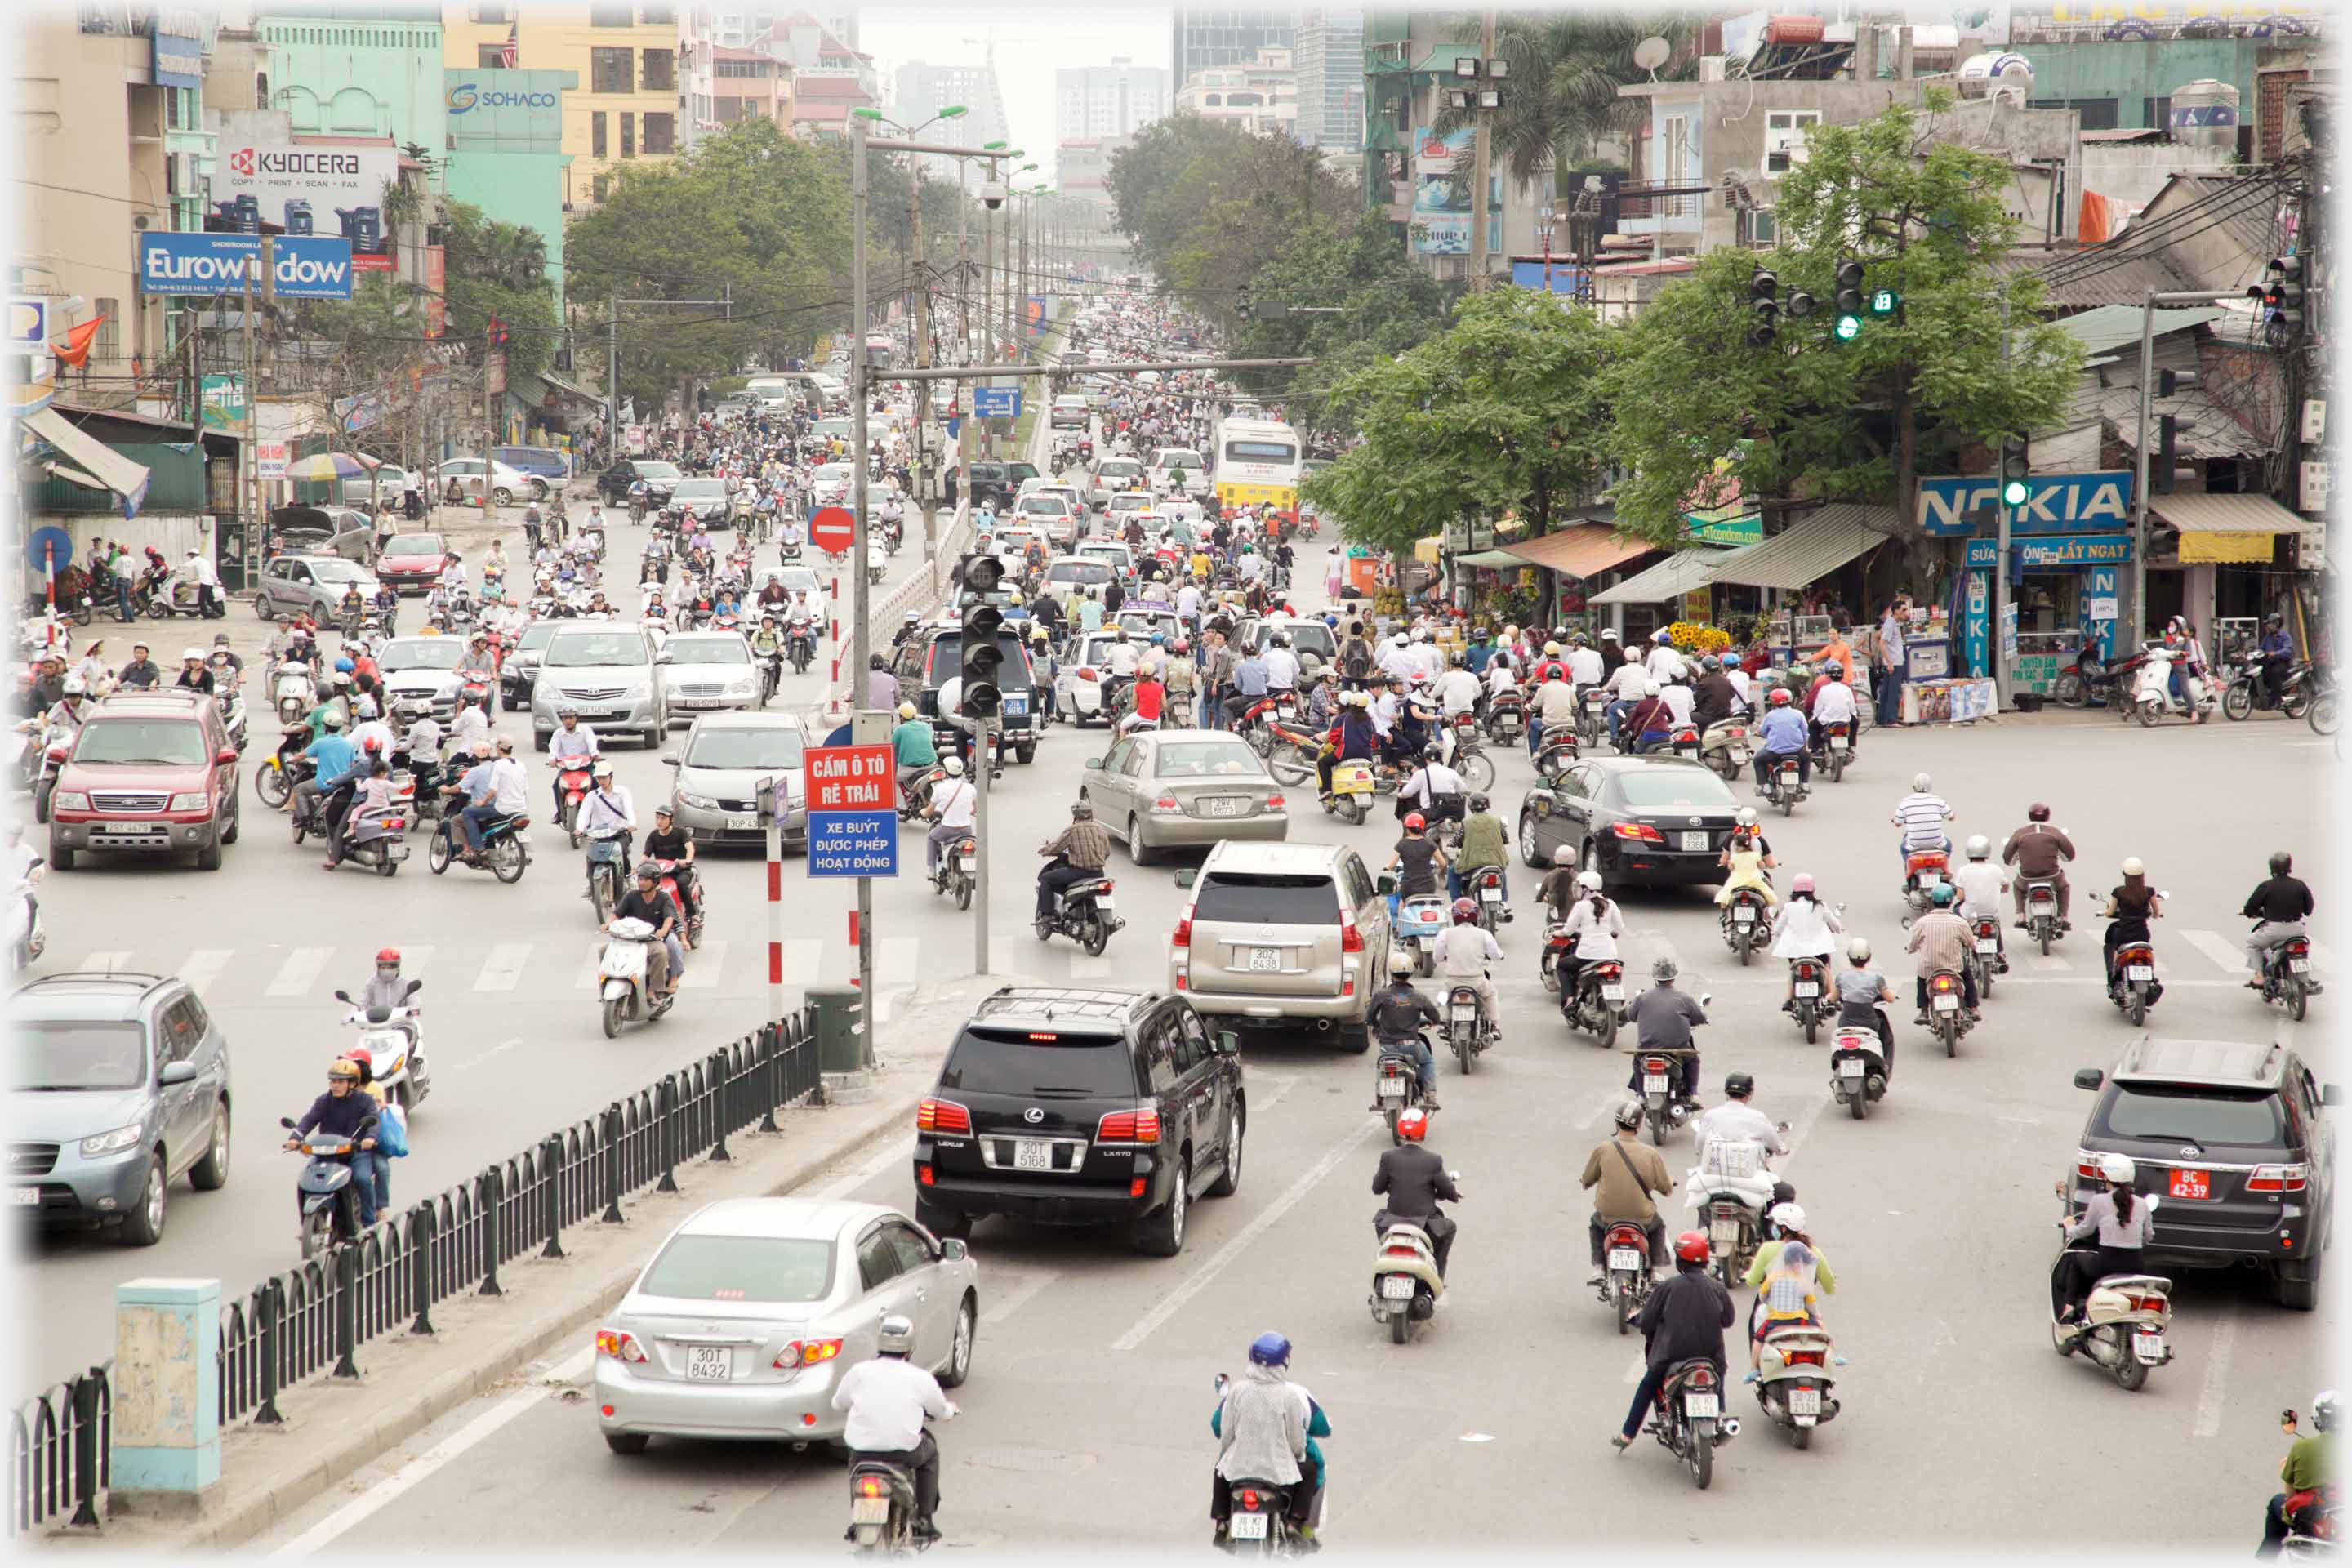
x: 1669, y: 579
x: 569, y: 389
x: 2225, y: 527
x: 1491, y: 560
x: 1809, y: 552
x: 1585, y: 551
x: 92, y: 462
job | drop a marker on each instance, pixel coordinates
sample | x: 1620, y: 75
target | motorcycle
x: 2244, y: 697
x: 1421, y: 921
x: 1808, y: 1000
x: 1466, y: 756
x: 1836, y: 750
x: 882, y: 1508
x: 572, y: 777
x: 1682, y: 741
x: 2286, y: 976
x: 1724, y: 747
x: 1946, y: 1016
x: 2152, y: 698
x: 505, y: 853
x: 1486, y: 887
x: 275, y: 778
x: 2122, y: 1325
x: 1794, y: 1385
x: 1405, y: 1285
x: 1592, y: 717
x: 1746, y: 922
x: 1690, y: 1424
x: 1354, y: 783
x: 393, y: 1035
x: 959, y: 872
x: 1625, y: 1273
x: 1662, y: 1100
x: 377, y: 843
x: 1784, y: 784
x: 2042, y: 921
x: 1396, y: 1085
x: 802, y: 647
x: 53, y: 744
x: 1857, y: 1068
x: 607, y: 874
x: 1083, y: 912
x: 1555, y: 751
x: 1923, y: 871
x: 1598, y: 1001
x: 1507, y: 717
x: 293, y: 690
x: 2090, y: 681
x: 622, y: 991
x: 1984, y: 958
x: 1468, y: 1030
x: 2133, y: 987
x: 326, y: 1202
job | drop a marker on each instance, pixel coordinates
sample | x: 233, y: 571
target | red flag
x: 75, y: 349
x: 511, y: 48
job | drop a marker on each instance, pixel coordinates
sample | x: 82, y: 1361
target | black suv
x: 1081, y: 1108
x: 997, y: 482
x: 2230, y: 1136
x: 929, y: 661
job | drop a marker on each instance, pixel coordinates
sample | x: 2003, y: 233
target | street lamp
x: 1478, y: 92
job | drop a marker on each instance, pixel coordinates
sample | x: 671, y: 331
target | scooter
x: 1746, y: 922
x: 2133, y: 987
x: 1985, y: 959
x: 1598, y: 1001
x: 1663, y: 1099
x: 1488, y: 893
x: 607, y: 875
x: 324, y: 1199
x: 1724, y: 746
x: 1794, y: 1383
x: 1592, y: 717
x: 377, y: 843
x: 1507, y: 717
x: 1353, y: 786
x: 294, y: 691
x: 1784, y: 784
x: 623, y: 993
x: 1405, y: 1285
x: 1084, y: 913
x: 1421, y: 921
x: 393, y: 1035
x: 802, y: 647
x: 275, y: 778
x: 1836, y: 750
x: 1557, y: 750
x: 2152, y: 697
x: 1858, y: 1072
x: 1682, y: 741
x: 1396, y: 1084
x: 2122, y: 1327
x: 1468, y: 1030
x: 2042, y: 921
x: 2286, y: 976
x: 1808, y: 1001
x: 1690, y: 1423
x: 572, y: 777
x: 959, y: 872
x: 1625, y: 1271
x: 1923, y: 871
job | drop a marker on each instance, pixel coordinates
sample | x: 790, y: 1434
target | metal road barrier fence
x: 313, y: 1319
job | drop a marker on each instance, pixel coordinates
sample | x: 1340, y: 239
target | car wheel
x: 2298, y: 1286
x: 967, y: 1326
x: 1162, y: 1232
x: 208, y: 858
x: 1230, y: 1178
x: 539, y: 740
x: 261, y: 606
x: 1137, y: 849
x: 212, y: 1171
x: 626, y: 1443
x: 1530, y: 854
x: 1356, y: 1038
x: 502, y: 497
x: 235, y: 821
x: 144, y: 1226
x: 943, y: 1222
x: 1589, y: 860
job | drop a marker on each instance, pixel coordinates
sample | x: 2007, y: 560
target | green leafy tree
x: 1807, y: 416
x: 1387, y: 304
x: 1502, y: 411
x: 499, y: 269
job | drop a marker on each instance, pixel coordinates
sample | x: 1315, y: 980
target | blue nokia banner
x: 2061, y: 503
x: 308, y: 266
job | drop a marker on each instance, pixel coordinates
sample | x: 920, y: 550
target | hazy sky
x: 1033, y: 38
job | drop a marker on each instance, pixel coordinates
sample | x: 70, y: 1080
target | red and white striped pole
x: 771, y: 809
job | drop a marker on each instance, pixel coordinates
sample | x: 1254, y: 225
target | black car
x: 926, y: 664
x: 999, y: 482
x: 613, y: 484
x: 2232, y: 1139
x: 1064, y: 1107
x: 1632, y: 819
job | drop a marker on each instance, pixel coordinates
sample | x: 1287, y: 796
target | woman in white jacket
x: 1593, y: 924
x: 1804, y: 927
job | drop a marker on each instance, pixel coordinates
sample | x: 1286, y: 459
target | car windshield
x: 1267, y: 898
x: 1088, y: 572
x: 947, y: 661
x: 701, y: 490
x: 2185, y: 1114
x: 730, y: 746
x: 741, y: 1268
x: 1058, y: 1066
x: 1044, y: 506
x: 1118, y: 468
x: 575, y: 649
x: 176, y: 742
x: 1209, y: 760
x: 707, y: 651
x: 414, y: 544
x: 653, y: 470
x: 1692, y: 787
x: 1172, y: 460
x: 834, y: 471
x: 795, y: 579
x: 535, y: 636
x: 336, y: 571
x: 61, y: 1053
x: 421, y: 653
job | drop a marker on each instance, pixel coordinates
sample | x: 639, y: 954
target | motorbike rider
x: 1352, y: 739
x: 1434, y: 791
x: 1663, y: 1020
x: 664, y: 955
x: 1683, y: 1320
x: 2280, y: 905
x: 1982, y: 884
x: 1561, y: 885
x: 1782, y: 733
x: 887, y: 1399
x: 1628, y: 1171
x: 608, y: 809
x: 1413, y: 1177
x: 1396, y: 1020
x: 2040, y: 853
x: 1712, y: 696
x: 1466, y: 954
x: 2308, y: 1471
x: 1748, y: 857
x: 953, y: 801
x: 141, y: 672
x: 1943, y: 941
x: 1484, y: 847
x: 2277, y: 652
x: 674, y: 846
x: 1738, y: 1121
x: 2120, y: 1221
x: 1262, y: 1424
x: 1804, y: 927
x: 1860, y: 989
x: 1789, y: 1277
x: 193, y: 675
x: 913, y: 746
x: 332, y: 759
x: 1415, y: 862
x: 1592, y: 926
x: 1078, y: 856
x: 2131, y: 904
x: 1833, y: 701
x: 343, y: 1112
x: 1921, y: 816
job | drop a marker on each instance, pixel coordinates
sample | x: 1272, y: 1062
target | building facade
x: 626, y: 55
x: 923, y: 89
x: 830, y: 77
x: 370, y: 71
x: 505, y: 151
x: 1204, y: 37
x: 1330, y: 52
x: 1117, y: 100
x: 1259, y: 96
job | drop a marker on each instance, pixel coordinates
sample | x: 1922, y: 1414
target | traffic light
x: 2016, y: 472
x: 2165, y: 471
x: 1851, y: 300
x: 1242, y: 306
x: 2282, y: 290
x: 979, y: 656
x: 1763, y: 310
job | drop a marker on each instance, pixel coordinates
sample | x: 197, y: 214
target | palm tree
x: 1561, y: 95
x: 516, y: 257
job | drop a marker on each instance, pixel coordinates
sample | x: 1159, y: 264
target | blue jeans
x: 1890, y: 696
x: 472, y: 820
x: 1617, y: 712
x: 1425, y: 1061
x: 367, y: 1177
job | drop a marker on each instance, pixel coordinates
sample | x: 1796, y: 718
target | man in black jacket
x: 1712, y: 696
x: 1395, y: 1020
x: 2281, y: 905
x: 1683, y: 1320
x: 1412, y: 1178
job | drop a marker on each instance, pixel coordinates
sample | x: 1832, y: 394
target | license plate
x: 1988, y: 944
x: 742, y: 819
x: 1693, y: 840
x: 1695, y: 1405
x: 1726, y: 1231
x: 1391, y: 1089
x: 2140, y: 972
x: 697, y: 702
x: 1929, y: 880
x: 1249, y: 1527
x: 1103, y: 904
x: 967, y: 862
x: 1837, y: 743
x: 2298, y: 966
x: 1808, y: 988
x: 2192, y: 1184
x: 709, y: 1364
x: 24, y: 1197
x: 1654, y: 1083
x: 2148, y: 1348
x: 1947, y: 1004
x: 1613, y: 993
x: 1624, y: 1257
x: 2043, y: 906
x: 1490, y: 895
x: 1465, y: 1015
x: 1265, y: 960
x: 1397, y: 1287
x: 1804, y: 1402
x: 869, y: 1510
x: 1744, y: 915
x: 1032, y: 1154
x: 1852, y: 1067
x: 1223, y: 808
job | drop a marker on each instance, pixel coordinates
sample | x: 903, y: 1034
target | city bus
x: 1257, y: 460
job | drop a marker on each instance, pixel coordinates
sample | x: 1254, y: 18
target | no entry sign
x: 833, y: 528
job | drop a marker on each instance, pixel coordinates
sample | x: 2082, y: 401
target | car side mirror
x: 1187, y: 877
x: 953, y: 1251
x: 1228, y: 1042
x: 2089, y: 1077
x: 1093, y: 761
x: 1384, y: 885
x: 176, y: 1073
x: 225, y: 756
x: 662, y: 657
x: 671, y: 763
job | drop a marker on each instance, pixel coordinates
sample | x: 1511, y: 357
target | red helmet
x: 388, y: 955
x: 1412, y: 1124
x: 1779, y: 696
x: 1465, y: 912
x: 375, y: 742
x: 1691, y: 1246
x: 363, y: 1058
x: 1414, y: 822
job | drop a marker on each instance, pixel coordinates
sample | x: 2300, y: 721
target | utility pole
x: 926, y: 462
x: 613, y: 379
x: 1480, y: 143
x: 253, y: 516
x: 859, y: 594
x: 2148, y: 307
x: 1019, y: 315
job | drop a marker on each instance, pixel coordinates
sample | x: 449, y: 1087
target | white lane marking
x: 503, y: 968
x: 2226, y: 954
x: 409, y: 1476
x: 1795, y: 1137
x: 1227, y: 1255
x: 893, y: 1152
x: 105, y: 962
x: 1026, y: 1283
x: 2224, y: 1340
x: 895, y: 960
x: 1083, y: 967
x: 204, y: 965
x: 702, y: 966
x: 413, y: 960
x: 300, y: 970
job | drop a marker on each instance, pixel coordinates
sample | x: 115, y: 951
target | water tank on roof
x: 2205, y: 114
x: 1794, y: 30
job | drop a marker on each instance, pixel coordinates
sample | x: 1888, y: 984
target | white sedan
x: 708, y: 670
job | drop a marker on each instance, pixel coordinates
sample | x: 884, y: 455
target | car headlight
x: 741, y: 688
x: 111, y: 1143
x: 196, y: 800
x: 70, y: 800
x: 702, y: 802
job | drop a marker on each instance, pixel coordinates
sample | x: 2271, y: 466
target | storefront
x: 2228, y: 568
x: 1803, y: 559
x: 1669, y: 591
x: 1581, y: 560
x: 2070, y: 544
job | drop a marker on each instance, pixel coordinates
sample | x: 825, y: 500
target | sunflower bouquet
x: 1693, y: 636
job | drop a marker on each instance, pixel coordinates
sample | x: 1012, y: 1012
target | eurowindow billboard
x: 311, y: 268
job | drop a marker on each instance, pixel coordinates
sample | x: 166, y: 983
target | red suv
x: 152, y: 771
x: 412, y: 562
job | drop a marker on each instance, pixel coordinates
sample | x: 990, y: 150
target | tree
x: 1561, y: 94
x: 499, y: 269
x: 1387, y: 304
x: 1807, y: 414
x: 1501, y: 411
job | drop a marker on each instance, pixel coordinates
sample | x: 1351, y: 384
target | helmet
x: 1649, y: 688
x: 1412, y: 1126
x: 75, y: 685
x: 388, y: 955
x: 1710, y: 664
x: 1779, y: 697
x: 367, y: 708
x: 1802, y: 882
x: 1920, y: 783
x: 1563, y: 856
x: 375, y: 742
x: 1589, y: 881
x: 1739, y: 1085
x: 1747, y: 817
x: 343, y: 1067
x: 905, y: 710
x: 1940, y: 894
x: 896, y: 1336
x: 1414, y: 822
x: 1271, y: 1349
x: 1465, y: 912
x: 1663, y: 972
x: 2118, y: 1168
x: 2323, y: 1403
x: 2282, y: 863
x: 2037, y: 812
x: 647, y: 871
x: 1788, y: 1217
x: 602, y: 770
x: 1551, y: 650
x: 1858, y: 950
x: 1609, y: 633
x: 2133, y: 867
x: 1082, y: 810
x: 954, y: 766
x: 1834, y: 670
x: 1980, y: 847
x: 1691, y: 1246
x: 334, y: 720
x: 188, y: 653
x: 1629, y: 1113
x: 1399, y: 963
x: 343, y: 666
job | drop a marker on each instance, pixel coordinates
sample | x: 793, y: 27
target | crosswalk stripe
x: 413, y: 960
x: 105, y: 960
x: 702, y: 966
x: 203, y: 967
x: 503, y: 968
x: 300, y: 970
x: 2220, y: 949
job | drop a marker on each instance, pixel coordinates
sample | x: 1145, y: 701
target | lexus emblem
x: 1033, y: 1116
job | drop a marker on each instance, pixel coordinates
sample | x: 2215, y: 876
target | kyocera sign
x: 307, y: 267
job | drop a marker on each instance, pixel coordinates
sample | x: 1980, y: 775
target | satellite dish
x: 1651, y: 53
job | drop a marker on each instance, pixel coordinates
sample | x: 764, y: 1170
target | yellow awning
x: 1428, y: 550
x: 2225, y: 529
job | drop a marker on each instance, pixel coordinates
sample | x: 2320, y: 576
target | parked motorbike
x: 325, y: 1201
x: 1794, y: 1383
x: 2123, y: 1325
x: 393, y: 1038
x: 2286, y: 976
x: 1746, y: 922
x: 1084, y: 913
x: 1468, y: 1030
x: 1396, y: 1085
x: 2091, y: 681
x: 959, y: 872
x: 1946, y: 1015
x: 623, y: 993
x: 1625, y: 1271
x: 1858, y: 1072
x: 1690, y: 1423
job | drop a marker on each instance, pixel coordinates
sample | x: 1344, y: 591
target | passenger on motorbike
x: 2280, y: 905
x: 1982, y: 883
x: 1262, y: 1424
x: 1782, y: 733
x: 343, y: 1112
x: 1943, y: 941
x: 2131, y: 904
x: 1628, y: 1171
x: 1466, y: 954
x: 2040, y: 853
x: 1078, y: 856
x: 1593, y: 923
x: 1789, y: 1277
x: 1663, y: 1020
x: 1805, y: 927
x: 1860, y: 989
x: 1415, y: 862
x: 1683, y: 1320
x: 1748, y: 857
x: 1649, y: 723
x: 2308, y: 1471
x: 1412, y: 1178
x: 1484, y: 847
x: 887, y: 1399
x: 1396, y: 1017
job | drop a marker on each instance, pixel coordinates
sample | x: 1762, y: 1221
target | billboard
x: 286, y: 187
x: 1441, y: 196
x: 313, y: 269
x: 2059, y: 503
x: 506, y: 111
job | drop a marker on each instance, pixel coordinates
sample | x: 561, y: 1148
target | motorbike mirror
x: 342, y: 996
x: 2089, y: 1077
x: 414, y: 987
x: 287, y: 1123
x: 1707, y: 998
x: 1453, y: 1175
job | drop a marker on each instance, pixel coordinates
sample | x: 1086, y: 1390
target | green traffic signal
x: 2015, y: 493
x: 1883, y: 301
x: 1847, y: 329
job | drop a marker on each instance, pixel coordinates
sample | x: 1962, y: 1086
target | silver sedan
x: 1183, y: 787
x: 745, y: 1320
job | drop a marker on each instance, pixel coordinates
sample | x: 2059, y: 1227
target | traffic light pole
x: 982, y: 768
x: 860, y: 639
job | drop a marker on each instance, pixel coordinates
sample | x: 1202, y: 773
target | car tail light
x: 620, y: 1345
x: 1350, y: 939
x: 2277, y: 1179
x: 1166, y: 802
x: 941, y: 1115
x: 805, y: 1352
x: 1087, y: 673
x: 1641, y: 830
x: 1184, y: 934
x: 2086, y: 1164
x: 1135, y: 1188
x: 1140, y: 1125
x: 1275, y: 803
x: 923, y: 1175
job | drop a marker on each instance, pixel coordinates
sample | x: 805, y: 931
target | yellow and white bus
x: 1257, y: 460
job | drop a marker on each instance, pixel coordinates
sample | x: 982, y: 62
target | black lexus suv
x: 1070, y: 1107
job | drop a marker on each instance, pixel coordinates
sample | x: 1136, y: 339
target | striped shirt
x: 1922, y: 817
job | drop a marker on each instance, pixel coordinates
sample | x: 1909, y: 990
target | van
x: 1288, y: 936
x: 777, y: 389
x: 547, y: 462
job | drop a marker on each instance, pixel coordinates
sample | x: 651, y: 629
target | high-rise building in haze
x: 1204, y: 37
x: 1117, y: 100
x: 1329, y: 56
x: 924, y: 89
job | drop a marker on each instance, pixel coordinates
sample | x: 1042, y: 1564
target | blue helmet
x: 344, y: 667
x: 1270, y: 1350
x: 1940, y: 894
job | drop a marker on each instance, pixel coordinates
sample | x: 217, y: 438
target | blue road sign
x: 49, y: 543
x: 853, y: 843
x: 996, y: 402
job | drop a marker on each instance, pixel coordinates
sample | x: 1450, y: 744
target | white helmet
x: 1919, y: 784
x: 2132, y: 866
x: 1747, y: 817
x: 954, y: 766
x: 1980, y: 847
x: 189, y: 653
x: 1649, y: 688
x: 1788, y: 1217
x: 2117, y: 1168
x: 1589, y: 880
x: 1858, y: 950
x: 75, y: 685
x: 2323, y: 1410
